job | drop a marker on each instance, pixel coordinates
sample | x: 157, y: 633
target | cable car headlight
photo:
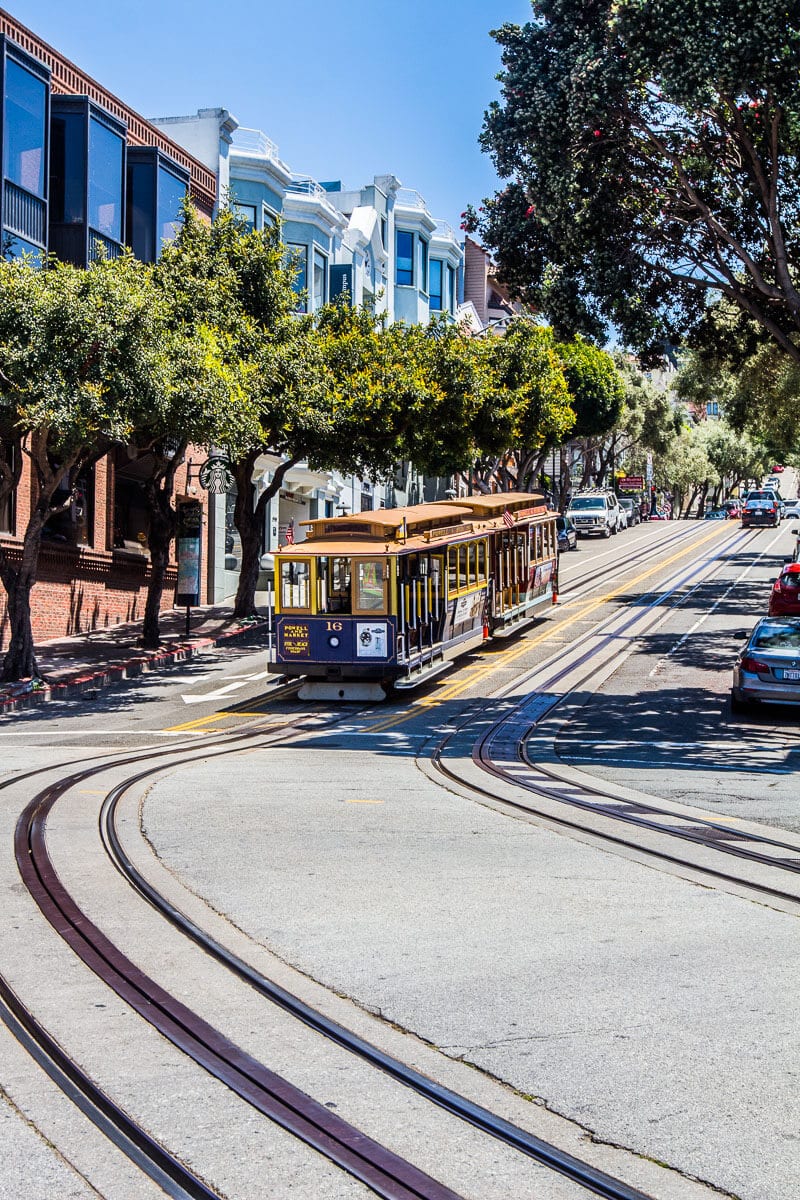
x: 333, y: 640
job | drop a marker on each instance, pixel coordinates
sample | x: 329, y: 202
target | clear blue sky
x: 348, y: 90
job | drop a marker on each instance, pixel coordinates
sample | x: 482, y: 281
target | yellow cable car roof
x: 413, y: 529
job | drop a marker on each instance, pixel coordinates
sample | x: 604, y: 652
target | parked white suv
x: 595, y: 512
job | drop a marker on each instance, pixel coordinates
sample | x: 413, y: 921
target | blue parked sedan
x: 567, y: 534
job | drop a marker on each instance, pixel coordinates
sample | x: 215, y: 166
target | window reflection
x: 320, y: 273
x: 246, y: 213
x: 295, y: 584
x: 16, y: 247
x: 404, y: 257
x: 169, y: 218
x: 105, y: 181
x: 24, y: 128
x: 370, y: 594
x: 298, y: 258
x: 436, y: 284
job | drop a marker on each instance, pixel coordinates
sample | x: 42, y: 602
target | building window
x: 451, y: 290
x: 8, y: 504
x: 404, y: 255
x: 423, y: 265
x: 131, y: 517
x: 169, y: 207
x: 712, y: 408
x: 246, y: 213
x: 75, y: 525
x: 320, y: 280
x: 297, y: 258
x: 24, y: 129
x: 67, y: 169
x: 153, y: 210
x: 383, y: 232
x: 436, y: 284
x: 16, y: 247
x: 233, y: 541
x: 139, y: 228
x: 106, y: 154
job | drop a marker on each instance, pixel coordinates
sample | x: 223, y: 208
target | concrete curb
x: 25, y: 695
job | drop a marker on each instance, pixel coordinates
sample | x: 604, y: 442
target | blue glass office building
x: 24, y: 132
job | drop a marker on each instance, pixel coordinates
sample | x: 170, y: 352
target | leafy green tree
x: 229, y: 295
x: 527, y: 402
x: 652, y: 154
x: 81, y: 353
x: 686, y: 469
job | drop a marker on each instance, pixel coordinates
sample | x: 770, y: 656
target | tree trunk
x: 163, y: 525
x: 701, y: 503
x: 249, y: 521
x: 159, y: 560
x: 564, y: 483
x: 19, y: 661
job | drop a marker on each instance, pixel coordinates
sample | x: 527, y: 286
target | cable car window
x: 295, y: 584
x: 462, y: 567
x: 370, y: 588
x: 473, y: 564
x: 452, y: 570
x: 334, y: 585
x: 482, y: 574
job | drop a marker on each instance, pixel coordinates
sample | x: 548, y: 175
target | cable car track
x: 208, y: 1047
x: 32, y: 856
x: 501, y: 751
x: 636, y: 554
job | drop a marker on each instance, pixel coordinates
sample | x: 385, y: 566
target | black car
x: 632, y: 510
x: 567, y: 534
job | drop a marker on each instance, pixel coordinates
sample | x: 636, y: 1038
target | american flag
x: 508, y: 519
x: 290, y: 534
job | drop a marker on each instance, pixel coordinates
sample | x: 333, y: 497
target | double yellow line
x: 585, y: 608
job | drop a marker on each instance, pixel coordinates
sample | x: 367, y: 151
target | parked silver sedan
x: 769, y: 665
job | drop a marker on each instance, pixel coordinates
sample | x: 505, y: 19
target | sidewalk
x: 88, y: 661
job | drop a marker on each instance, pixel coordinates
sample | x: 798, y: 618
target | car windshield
x: 626, y: 504
x: 778, y: 637
x: 790, y: 580
x: 561, y: 523
x: 759, y: 496
x: 588, y: 502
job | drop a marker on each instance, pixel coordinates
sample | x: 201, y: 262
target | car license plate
x: 791, y: 674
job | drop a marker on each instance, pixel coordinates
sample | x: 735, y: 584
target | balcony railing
x: 306, y: 186
x: 446, y: 233
x: 255, y: 142
x: 408, y: 198
x: 24, y: 213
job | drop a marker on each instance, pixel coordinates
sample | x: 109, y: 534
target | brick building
x: 82, y: 170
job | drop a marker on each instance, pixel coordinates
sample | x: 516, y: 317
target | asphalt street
x: 634, y: 1015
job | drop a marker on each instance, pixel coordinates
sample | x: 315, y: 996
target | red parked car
x: 784, y: 599
x: 776, y: 470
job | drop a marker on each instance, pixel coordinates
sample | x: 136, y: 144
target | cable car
x: 389, y: 598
